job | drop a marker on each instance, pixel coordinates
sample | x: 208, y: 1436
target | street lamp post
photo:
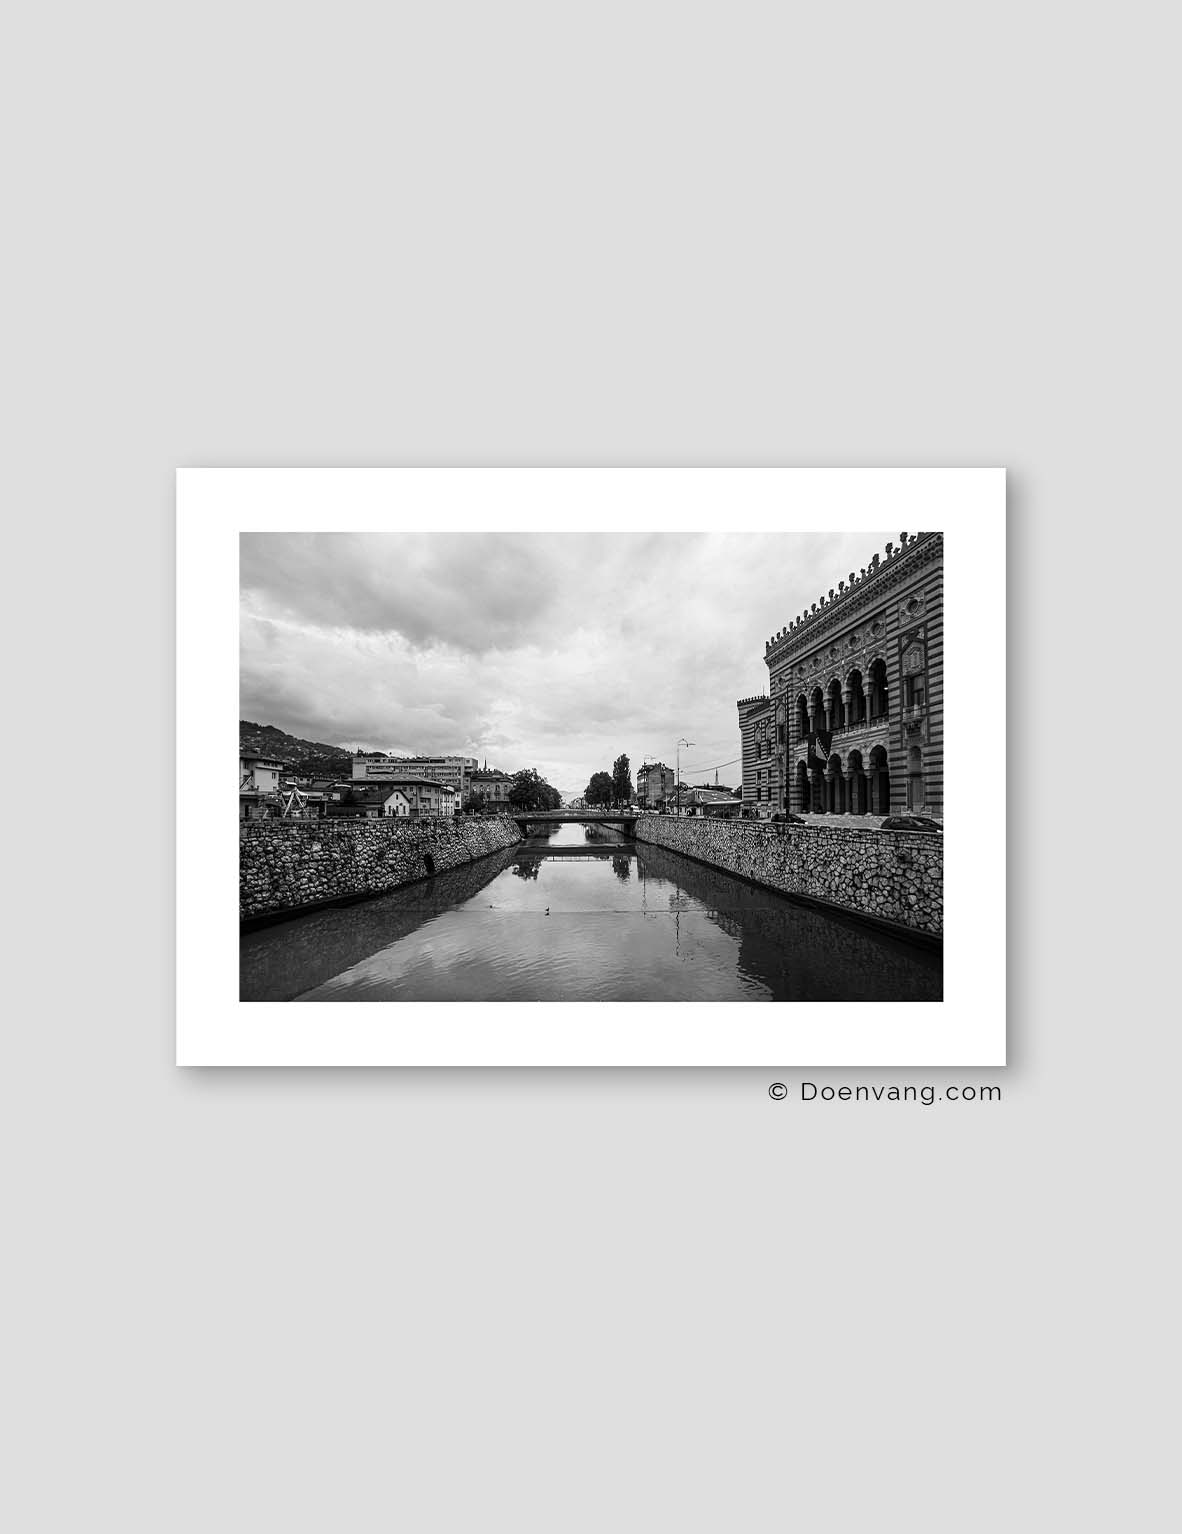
x: 680, y: 743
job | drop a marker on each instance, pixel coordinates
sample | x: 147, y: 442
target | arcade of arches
x: 856, y: 786
x: 861, y: 783
x: 856, y: 691
x: 834, y: 776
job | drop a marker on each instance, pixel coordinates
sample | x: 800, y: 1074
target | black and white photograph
x: 700, y: 766
x: 571, y: 766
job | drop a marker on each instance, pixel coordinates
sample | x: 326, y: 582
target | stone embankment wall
x: 891, y: 876
x: 286, y: 865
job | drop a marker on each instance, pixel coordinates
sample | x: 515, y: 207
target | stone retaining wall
x: 892, y: 876
x: 285, y: 865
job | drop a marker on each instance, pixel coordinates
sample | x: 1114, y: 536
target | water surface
x: 568, y: 916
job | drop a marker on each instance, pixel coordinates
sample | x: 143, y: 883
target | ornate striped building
x: 761, y: 759
x: 854, y: 718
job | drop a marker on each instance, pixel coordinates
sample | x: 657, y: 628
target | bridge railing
x: 572, y: 815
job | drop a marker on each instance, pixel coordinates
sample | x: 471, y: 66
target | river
x: 582, y: 916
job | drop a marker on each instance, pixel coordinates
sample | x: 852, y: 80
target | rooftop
x: 399, y: 780
x: 366, y: 792
x: 908, y: 542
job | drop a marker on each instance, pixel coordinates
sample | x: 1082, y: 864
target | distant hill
x: 308, y: 758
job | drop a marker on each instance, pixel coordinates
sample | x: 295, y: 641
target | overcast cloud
x: 551, y: 651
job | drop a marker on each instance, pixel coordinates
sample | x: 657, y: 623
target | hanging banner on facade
x: 819, y: 742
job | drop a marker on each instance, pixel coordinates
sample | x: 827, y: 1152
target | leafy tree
x: 621, y: 780
x: 600, y: 789
x: 530, y: 791
x: 475, y: 803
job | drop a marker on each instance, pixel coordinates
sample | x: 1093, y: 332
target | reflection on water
x: 564, y: 918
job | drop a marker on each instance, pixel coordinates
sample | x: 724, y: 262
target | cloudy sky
x: 553, y: 651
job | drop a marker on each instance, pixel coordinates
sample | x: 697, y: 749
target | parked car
x: 911, y: 823
x: 785, y: 817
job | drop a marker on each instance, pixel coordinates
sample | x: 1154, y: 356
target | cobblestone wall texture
x: 895, y: 876
x: 285, y: 864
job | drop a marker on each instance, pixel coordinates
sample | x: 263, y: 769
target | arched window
x: 858, y: 714
x: 879, y: 692
x: 802, y: 788
x: 880, y: 783
x: 859, y: 798
x: 836, y: 708
x: 834, y: 786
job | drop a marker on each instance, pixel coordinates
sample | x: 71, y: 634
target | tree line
x: 611, y: 788
x: 528, y: 791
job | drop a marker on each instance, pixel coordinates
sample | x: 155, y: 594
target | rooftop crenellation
x: 824, y: 606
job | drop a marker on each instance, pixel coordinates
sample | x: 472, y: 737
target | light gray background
x: 631, y: 234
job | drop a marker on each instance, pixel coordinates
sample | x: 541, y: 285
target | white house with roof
x: 411, y: 796
x: 375, y: 801
x: 258, y: 785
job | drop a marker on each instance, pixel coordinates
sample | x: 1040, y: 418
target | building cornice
x: 863, y: 590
